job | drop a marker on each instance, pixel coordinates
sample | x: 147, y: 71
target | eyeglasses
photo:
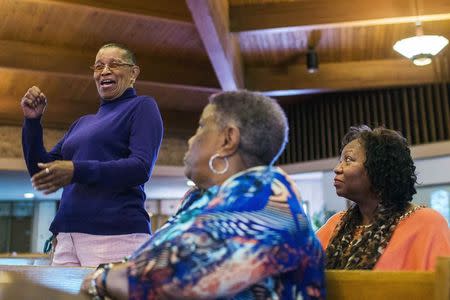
x: 99, y: 67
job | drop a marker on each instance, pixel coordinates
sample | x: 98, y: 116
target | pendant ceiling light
x: 420, y: 48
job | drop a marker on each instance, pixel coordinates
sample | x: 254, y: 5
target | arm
x: 33, y: 146
x: 33, y: 105
x: 438, y: 244
x: 200, y: 263
x: 145, y: 140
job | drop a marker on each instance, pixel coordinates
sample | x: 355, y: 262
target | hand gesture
x: 33, y: 103
x: 87, y: 286
x: 54, y: 175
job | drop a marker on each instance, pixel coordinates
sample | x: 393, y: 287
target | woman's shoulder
x: 145, y: 100
x: 336, y: 217
x: 326, y: 231
x: 331, y: 223
x: 425, y: 216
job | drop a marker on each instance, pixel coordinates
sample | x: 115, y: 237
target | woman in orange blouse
x: 382, y: 230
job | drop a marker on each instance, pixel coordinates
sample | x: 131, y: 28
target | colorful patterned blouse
x: 235, y: 241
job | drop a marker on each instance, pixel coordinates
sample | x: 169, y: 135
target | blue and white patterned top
x: 246, y: 239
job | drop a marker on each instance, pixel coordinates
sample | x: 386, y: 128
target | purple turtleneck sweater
x: 113, y: 153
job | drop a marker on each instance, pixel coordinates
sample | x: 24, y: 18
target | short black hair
x: 129, y: 55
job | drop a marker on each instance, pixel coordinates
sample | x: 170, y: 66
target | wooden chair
x: 371, y: 285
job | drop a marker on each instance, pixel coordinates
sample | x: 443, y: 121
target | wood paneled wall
x: 420, y: 113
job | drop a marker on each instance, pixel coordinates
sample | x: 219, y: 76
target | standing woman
x: 382, y: 230
x: 102, y: 163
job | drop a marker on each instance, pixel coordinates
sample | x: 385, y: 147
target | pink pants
x: 87, y: 250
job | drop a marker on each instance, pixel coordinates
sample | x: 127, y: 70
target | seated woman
x: 242, y: 233
x: 382, y: 230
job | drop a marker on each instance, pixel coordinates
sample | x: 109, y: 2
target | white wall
x: 433, y: 170
x: 331, y: 200
x: 310, y: 187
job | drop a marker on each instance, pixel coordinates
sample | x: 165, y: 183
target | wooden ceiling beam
x: 62, y: 113
x: 76, y: 62
x: 212, y: 21
x: 173, y: 10
x: 340, y: 76
x: 321, y: 14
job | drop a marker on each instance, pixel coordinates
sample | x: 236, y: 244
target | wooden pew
x: 17, y: 287
x: 66, y: 279
x: 375, y: 285
x: 25, y: 259
x: 347, y: 285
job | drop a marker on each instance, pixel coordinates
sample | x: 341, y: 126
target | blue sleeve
x: 33, y: 146
x: 144, y: 143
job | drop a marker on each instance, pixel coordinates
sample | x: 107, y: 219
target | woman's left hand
x: 86, y: 283
x: 54, y: 175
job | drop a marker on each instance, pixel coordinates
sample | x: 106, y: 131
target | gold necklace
x: 404, y: 216
x: 363, y: 226
x: 410, y: 211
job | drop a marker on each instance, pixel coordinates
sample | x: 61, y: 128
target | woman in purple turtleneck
x: 102, y: 163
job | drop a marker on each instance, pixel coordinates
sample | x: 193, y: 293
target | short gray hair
x: 262, y: 123
x: 129, y: 55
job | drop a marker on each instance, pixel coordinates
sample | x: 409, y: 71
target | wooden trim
x: 323, y: 14
x: 340, y: 76
x: 173, y: 10
x: 442, y: 277
x: 12, y: 164
x: 74, y: 64
x: 364, y: 284
x: 430, y: 150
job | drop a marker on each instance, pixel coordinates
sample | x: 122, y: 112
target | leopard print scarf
x: 346, y: 251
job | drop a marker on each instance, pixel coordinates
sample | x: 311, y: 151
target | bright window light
x: 28, y: 195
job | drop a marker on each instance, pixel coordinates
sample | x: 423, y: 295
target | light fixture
x: 421, y: 48
x: 28, y: 195
x: 312, y: 60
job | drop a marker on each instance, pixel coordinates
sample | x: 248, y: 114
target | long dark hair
x: 391, y: 172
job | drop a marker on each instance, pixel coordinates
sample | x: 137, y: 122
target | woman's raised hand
x: 33, y: 103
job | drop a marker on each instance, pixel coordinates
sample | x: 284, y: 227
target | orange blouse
x: 416, y: 243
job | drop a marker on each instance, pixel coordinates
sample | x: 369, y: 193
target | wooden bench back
x: 348, y: 285
x: 67, y: 279
x: 374, y: 285
x: 25, y: 259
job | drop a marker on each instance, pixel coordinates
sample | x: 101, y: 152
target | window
x: 16, y: 221
x: 436, y: 197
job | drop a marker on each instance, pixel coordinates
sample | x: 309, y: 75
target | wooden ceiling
x: 188, y: 49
